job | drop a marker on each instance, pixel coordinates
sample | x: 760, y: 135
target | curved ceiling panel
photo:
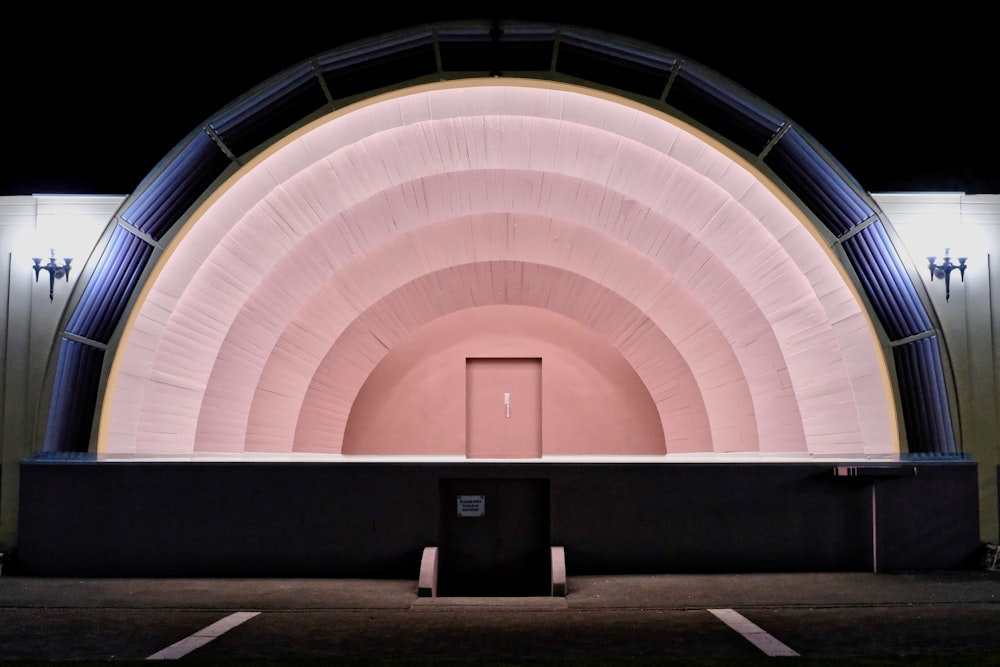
x: 234, y: 313
x: 648, y: 285
x: 685, y: 407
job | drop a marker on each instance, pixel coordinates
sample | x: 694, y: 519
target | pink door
x: 503, y: 408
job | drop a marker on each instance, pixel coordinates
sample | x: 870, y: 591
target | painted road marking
x: 754, y: 634
x: 203, y: 636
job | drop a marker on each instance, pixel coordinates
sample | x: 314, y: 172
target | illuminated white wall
x: 926, y: 224
x: 30, y: 226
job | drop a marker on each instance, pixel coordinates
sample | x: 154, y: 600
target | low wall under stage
x: 373, y: 519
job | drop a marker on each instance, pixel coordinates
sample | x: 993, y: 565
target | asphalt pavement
x: 621, y: 617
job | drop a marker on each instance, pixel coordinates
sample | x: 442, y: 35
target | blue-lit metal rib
x: 74, y: 397
x: 270, y: 111
x: 822, y: 188
x: 107, y: 294
x: 715, y: 103
x: 166, y: 196
x: 886, y: 283
x: 922, y: 397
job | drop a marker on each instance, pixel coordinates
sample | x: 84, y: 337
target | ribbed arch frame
x: 191, y: 172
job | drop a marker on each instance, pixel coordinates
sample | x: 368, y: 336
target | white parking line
x: 756, y: 636
x: 203, y: 636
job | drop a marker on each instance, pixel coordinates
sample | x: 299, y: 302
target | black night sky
x: 94, y: 99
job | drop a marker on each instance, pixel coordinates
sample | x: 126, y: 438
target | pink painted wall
x: 593, y: 403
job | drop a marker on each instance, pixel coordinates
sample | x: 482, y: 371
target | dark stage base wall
x: 373, y: 520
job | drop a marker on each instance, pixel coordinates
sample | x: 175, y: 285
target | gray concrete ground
x: 822, y: 615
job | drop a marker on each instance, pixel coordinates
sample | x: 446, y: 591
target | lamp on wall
x: 944, y: 269
x: 55, y: 270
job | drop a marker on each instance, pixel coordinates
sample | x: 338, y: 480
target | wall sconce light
x: 944, y: 269
x: 55, y: 270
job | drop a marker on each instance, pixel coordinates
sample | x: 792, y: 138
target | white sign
x: 472, y: 506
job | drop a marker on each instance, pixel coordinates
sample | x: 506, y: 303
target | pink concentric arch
x: 638, y: 333
x: 325, y: 262
x: 405, y: 404
x: 586, y: 335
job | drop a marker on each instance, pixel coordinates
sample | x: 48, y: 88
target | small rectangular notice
x: 472, y: 506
